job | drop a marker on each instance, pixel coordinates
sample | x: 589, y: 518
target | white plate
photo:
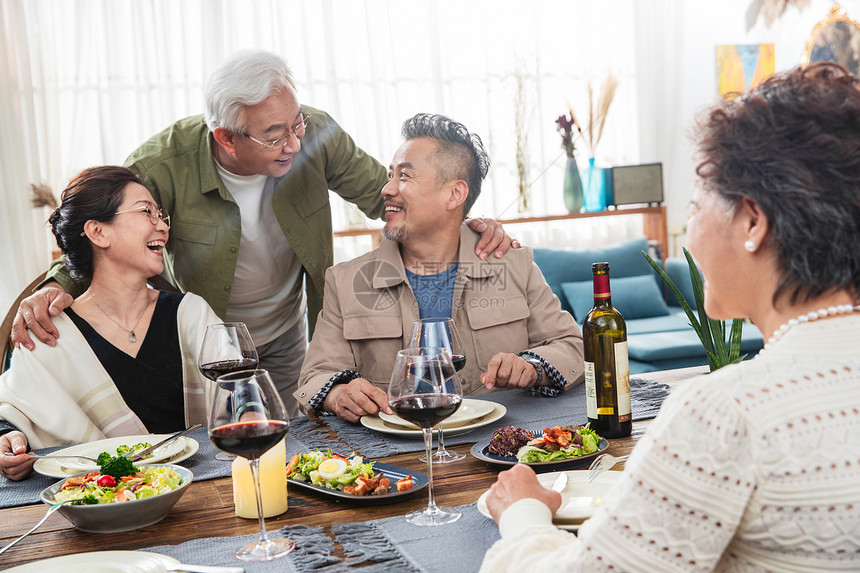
x: 578, y: 500
x: 53, y: 468
x: 469, y: 410
x: 109, y: 445
x: 100, y: 562
x: 377, y: 424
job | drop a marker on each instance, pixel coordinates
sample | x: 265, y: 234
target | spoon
x: 55, y: 457
x: 51, y: 510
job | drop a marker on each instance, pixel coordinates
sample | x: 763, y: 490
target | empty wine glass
x: 424, y: 390
x: 440, y: 332
x: 248, y: 418
x: 227, y: 347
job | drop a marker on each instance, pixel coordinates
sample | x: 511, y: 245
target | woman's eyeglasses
x: 155, y: 214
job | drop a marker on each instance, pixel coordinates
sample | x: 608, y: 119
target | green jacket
x: 178, y: 168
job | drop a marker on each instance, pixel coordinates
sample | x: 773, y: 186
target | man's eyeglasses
x: 298, y: 132
x: 155, y: 214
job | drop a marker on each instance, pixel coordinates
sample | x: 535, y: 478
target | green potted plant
x: 712, y: 333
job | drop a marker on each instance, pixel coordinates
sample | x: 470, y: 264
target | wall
x: 703, y: 27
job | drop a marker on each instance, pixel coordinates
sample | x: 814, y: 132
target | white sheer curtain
x: 86, y: 81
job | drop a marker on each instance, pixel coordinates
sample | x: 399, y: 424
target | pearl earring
x: 750, y: 246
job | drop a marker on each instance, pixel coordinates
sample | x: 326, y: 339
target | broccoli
x: 88, y: 499
x: 116, y: 467
x: 124, y: 450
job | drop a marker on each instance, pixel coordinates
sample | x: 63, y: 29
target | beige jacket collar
x: 471, y: 266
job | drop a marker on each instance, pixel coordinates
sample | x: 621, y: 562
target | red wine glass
x: 227, y: 347
x: 247, y: 418
x: 424, y: 390
x: 440, y: 332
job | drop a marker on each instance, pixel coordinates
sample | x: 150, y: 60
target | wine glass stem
x: 441, y: 447
x: 255, y: 474
x: 428, y: 444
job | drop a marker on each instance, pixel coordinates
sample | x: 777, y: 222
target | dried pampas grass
x: 607, y: 94
x: 42, y: 196
x: 596, y: 115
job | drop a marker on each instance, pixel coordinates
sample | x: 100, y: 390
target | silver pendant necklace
x: 132, y: 337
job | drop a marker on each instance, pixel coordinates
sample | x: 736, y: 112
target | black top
x: 151, y: 382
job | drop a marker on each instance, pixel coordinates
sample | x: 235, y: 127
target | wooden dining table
x: 207, y: 510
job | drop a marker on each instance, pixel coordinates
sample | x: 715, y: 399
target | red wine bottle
x: 607, y: 370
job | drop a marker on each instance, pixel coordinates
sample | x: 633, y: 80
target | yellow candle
x: 273, y: 484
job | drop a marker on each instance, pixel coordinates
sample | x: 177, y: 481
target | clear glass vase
x: 573, y: 196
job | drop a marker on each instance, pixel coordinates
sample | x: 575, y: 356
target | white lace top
x: 753, y: 467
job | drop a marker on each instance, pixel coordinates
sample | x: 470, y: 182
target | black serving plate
x: 481, y: 451
x: 393, y: 473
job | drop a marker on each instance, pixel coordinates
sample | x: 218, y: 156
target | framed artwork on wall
x: 742, y: 66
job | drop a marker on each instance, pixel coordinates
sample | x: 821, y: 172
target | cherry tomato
x: 106, y: 481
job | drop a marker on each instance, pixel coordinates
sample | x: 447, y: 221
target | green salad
x: 97, y: 487
x: 560, y: 443
x: 328, y: 470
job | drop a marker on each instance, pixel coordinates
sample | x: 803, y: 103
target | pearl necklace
x: 810, y: 317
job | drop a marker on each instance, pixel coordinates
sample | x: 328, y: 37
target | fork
x: 51, y: 510
x: 55, y: 457
x: 602, y: 463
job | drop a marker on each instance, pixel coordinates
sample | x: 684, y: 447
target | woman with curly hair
x: 754, y: 467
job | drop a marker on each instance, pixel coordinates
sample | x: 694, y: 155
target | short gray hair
x: 244, y: 79
x: 461, y: 154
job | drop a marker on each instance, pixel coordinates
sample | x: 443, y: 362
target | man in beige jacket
x: 515, y: 334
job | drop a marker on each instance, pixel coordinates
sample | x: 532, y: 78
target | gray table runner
x: 524, y: 410
x: 312, y: 552
x: 392, y: 544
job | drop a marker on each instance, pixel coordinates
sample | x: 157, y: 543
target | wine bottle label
x: 622, y: 376
x: 590, y: 391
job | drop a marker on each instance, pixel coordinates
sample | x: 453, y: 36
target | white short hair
x: 243, y: 79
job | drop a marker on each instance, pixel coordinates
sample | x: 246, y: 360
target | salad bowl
x: 123, y: 516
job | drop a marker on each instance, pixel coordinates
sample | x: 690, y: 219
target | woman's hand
x: 519, y: 482
x: 19, y: 466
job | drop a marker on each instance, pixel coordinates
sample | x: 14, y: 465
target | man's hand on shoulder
x: 493, y: 238
x: 36, y: 314
x: 356, y: 399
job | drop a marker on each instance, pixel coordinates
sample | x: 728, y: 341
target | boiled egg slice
x: 332, y: 468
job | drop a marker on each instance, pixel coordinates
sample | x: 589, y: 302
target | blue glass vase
x: 572, y: 187
x: 594, y: 186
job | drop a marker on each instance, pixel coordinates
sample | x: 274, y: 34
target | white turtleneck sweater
x: 753, y: 467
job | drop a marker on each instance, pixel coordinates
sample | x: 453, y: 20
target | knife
x: 560, y: 482
x: 170, y: 438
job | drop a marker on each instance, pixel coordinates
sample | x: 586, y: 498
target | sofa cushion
x: 564, y: 266
x: 675, y: 320
x: 680, y: 344
x: 634, y: 297
x: 679, y: 271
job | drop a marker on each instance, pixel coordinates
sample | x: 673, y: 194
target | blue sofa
x: 659, y: 335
